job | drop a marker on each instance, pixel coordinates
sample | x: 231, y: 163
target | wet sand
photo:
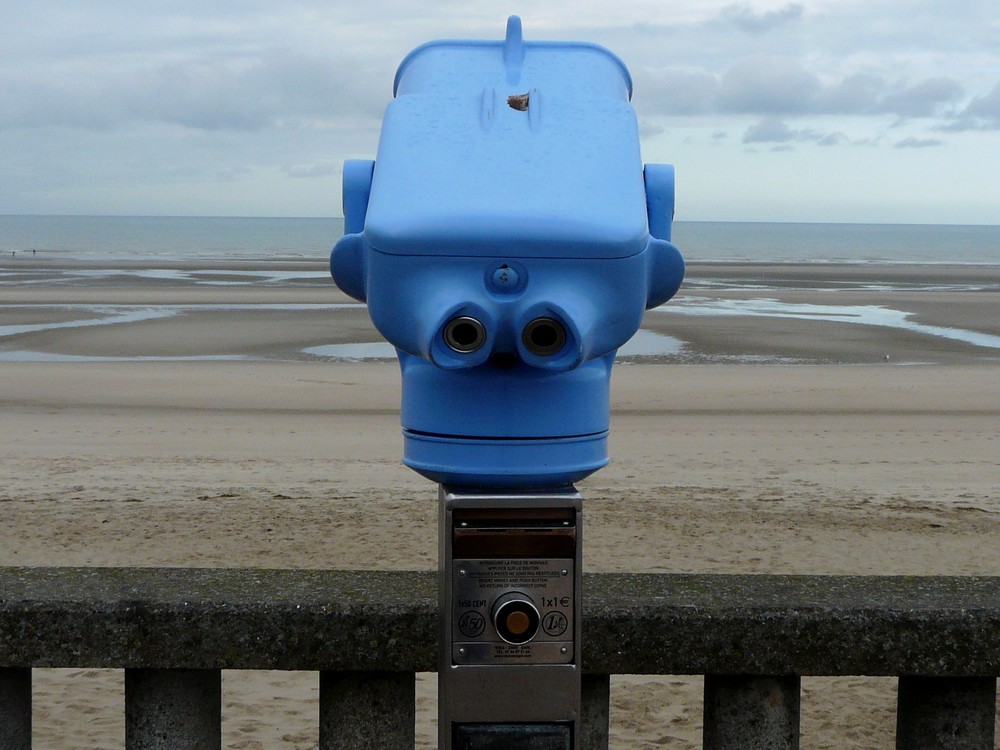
x: 725, y: 458
x: 725, y: 313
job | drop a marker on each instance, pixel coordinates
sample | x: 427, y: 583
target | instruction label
x: 546, y: 585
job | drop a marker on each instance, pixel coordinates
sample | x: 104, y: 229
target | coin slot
x: 524, y: 532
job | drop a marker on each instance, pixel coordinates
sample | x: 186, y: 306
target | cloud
x: 224, y: 67
x: 775, y: 130
x: 769, y: 130
x: 758, y: 85
x: 744, y: 18
x: 924, y: 99
x: 767, y: 85
x: 137, y: 100
x: 982, y: 113
x: 256, y: 69
x: 646, y: 130
x: 918, y: 143
x: 781, y: 87
x: 675, y: 91
x: 985, y: 107
x: 859, y: 93
x: 832, y: 139
x: 233, y: 92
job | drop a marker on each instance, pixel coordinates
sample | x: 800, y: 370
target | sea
x: 152, y: 238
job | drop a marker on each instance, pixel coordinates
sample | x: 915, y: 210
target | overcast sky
x: 810, y: 110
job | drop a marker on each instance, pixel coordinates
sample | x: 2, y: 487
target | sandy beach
x: 855, y: 430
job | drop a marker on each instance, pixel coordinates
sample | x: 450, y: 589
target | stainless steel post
x: 510, y: 571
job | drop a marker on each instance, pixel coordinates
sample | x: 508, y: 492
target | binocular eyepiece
x: 464, y: 334
x: 542, y: 337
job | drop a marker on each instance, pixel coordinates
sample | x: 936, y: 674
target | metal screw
x: 564, y: 572
x: 564, y: 650
x: 461, y: 572
x: 461, y: 652
x: 505, y: 279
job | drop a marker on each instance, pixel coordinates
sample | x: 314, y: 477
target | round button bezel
x: 509, y: 604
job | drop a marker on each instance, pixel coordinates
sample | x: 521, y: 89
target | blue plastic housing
x: 508, y: 188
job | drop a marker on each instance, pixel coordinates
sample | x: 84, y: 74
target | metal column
x: 510, y: 620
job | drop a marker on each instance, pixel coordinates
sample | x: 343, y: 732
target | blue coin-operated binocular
x: 507, y: 240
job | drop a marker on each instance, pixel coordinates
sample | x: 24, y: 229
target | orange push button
x: 515, y: 618
x: 518, y: 623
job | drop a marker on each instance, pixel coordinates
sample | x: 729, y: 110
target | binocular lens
x: 464, y: 335
x: 544, y: 336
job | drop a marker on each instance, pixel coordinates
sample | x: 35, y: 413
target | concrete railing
x: 367, y: 634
